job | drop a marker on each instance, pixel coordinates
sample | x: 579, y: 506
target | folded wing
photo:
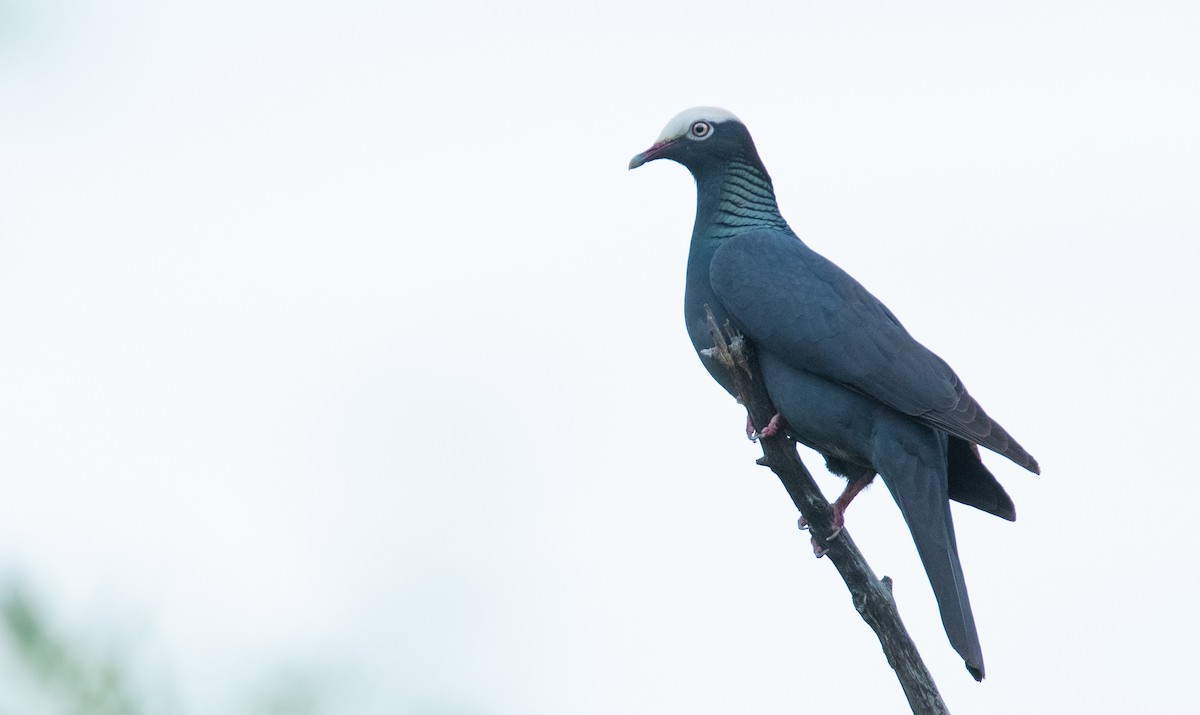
x: 792, y: 301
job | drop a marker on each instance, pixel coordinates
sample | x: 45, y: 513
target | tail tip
x: 976, y: 671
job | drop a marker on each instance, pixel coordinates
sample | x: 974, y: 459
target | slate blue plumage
x: 847, y: 378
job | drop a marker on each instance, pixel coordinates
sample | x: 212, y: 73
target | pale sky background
x: 335, y: 339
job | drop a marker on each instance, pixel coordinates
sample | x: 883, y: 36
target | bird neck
x: 735, y: 200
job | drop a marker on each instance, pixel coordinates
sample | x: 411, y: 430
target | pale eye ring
x: 700, y: 130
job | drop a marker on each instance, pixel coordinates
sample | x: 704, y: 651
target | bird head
x: 700, y: 138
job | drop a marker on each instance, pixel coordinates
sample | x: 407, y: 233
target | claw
x: 770, y: 430
x: 802, y: 524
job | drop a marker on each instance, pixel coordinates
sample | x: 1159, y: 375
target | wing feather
x: 816, y: 317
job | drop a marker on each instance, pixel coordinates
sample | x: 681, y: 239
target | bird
x: 847, y: 379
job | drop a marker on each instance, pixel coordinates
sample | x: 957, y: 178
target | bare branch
x: 872, y: 597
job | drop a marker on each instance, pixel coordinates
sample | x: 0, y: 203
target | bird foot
x: 770, y: 430
x: 772, y: 427
x: 837, y: 522
x: 818, y: 550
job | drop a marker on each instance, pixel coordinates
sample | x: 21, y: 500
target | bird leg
x: 770, y: 430
x: 837, y: 521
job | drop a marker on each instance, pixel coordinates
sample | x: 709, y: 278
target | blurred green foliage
x: 48, y: 670
x: 75, y: 681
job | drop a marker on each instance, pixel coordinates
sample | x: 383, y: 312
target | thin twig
x: 872, y: 597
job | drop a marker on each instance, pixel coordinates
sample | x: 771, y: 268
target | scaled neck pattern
x: 745, y: 202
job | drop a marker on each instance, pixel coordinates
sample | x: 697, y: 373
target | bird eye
x: 700, y: 130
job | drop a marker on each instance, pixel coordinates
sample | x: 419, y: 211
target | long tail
x: 918, y: 483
